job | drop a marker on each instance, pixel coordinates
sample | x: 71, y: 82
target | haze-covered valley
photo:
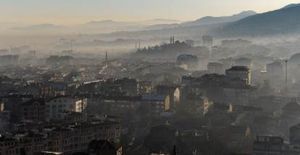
x: 264, y: 29
x: 134, y: 84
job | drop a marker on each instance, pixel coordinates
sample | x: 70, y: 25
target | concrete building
x: 120, y: 105
x: 172, y: 91
x: 33, y: 110
x: 156, y: 103
x: 76, y: 138
x: 275, y: 68
x: 275, y: 74
x: 295, y: 134
x: 58, y: 107
x: 268, y: 145
x: 144, y: 87
x: 188, y: 61
x: 64, y: 138
x: 6, y: 60
x: 104, y: 147
x: 28, y: 143
x: 127, y: 86
x: 240, y: 73
x: 243, y: 62
x: 215, y: 68
x: 239, y: 94
x: 207, y: 40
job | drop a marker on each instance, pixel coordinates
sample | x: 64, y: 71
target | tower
x: 286, y: 73
x: 172, y: 40
x: 139, y: 44
x: 106, y: 58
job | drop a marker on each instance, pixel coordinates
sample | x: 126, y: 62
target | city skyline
x: 75, y: 12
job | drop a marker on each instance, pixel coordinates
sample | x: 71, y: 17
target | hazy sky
x: 80, y: 11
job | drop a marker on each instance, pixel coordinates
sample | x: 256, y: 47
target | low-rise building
x: 268, y: 145
x: 28, y: 143
x: 295, y: 134
x: 121, y: 105
x: 63, y: 138
x: 172, y: 91
x: 144, y: 87
x: 104, y: 147
x: 156, y: 103
x: 215, y: 68
x: 239, y: 73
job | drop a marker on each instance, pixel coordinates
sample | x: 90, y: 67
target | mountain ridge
x: 221, y: 19
x: 282, y: 21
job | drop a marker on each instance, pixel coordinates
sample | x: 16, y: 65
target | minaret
x: 174, y: 150
x: 173, y: 38
x: 286, y: 74
x: 106, y: 58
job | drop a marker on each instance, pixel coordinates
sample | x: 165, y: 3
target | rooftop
x: 238, y: 68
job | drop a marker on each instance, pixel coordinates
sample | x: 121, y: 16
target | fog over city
x: 159, y: 77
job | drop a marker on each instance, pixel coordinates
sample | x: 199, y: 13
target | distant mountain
x: 161, y: 26
x: 7, y: 26
x: 215, y: 20
x: 291, y: 5
x: 112, y: 26
x: 160, y: 22
x: 193, y: 29
x: 278, y: 22
x: 39, y: 27
x: 164, y: 31
x: 105, y: 26
x: 208, y: 20
x: 109, y: 23
x: 102, y: 26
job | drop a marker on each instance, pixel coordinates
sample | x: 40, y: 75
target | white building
x: 58, y: 107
